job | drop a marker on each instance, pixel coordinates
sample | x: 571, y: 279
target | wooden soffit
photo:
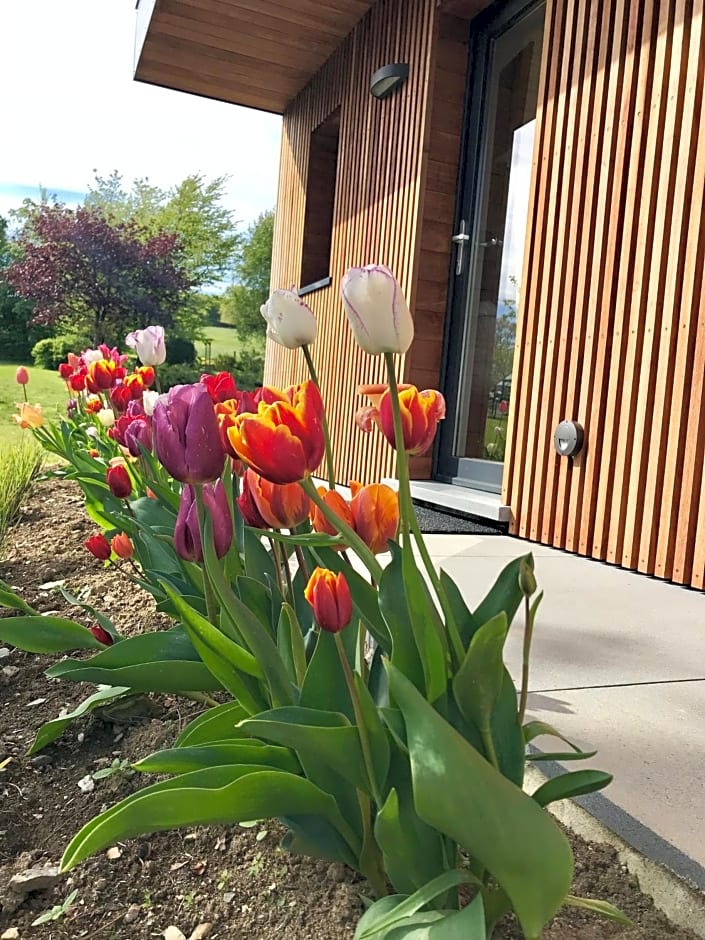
x: 256, y: 53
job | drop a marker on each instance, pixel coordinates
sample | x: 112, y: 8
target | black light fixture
x: 387, y: 79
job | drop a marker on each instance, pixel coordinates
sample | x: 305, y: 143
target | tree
x: 241, y: 302
x: 192, y: 210
x: 16, y: 336
x: 99, y: 277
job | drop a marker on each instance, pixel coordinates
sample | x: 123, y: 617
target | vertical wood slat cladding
x: 376, y: 213
x: 612, y: 323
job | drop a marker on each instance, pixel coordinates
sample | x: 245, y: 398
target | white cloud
x: 70, y: 106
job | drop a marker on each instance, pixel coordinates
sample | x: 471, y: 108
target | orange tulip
x: 329, y: 595
x: 281, y: 506
x: 283, y: 441
x: 338, y: 505
x: 93, y: 404
x: 122, y: 546
x: 29, y: 416
x: 375, y: 513
x: 420, y: 414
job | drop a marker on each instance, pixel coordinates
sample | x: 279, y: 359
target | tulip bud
x: 147, y: 374
x: 290, y: 321
x: 149, y: 401
x: 99, y: 546
x: 77, y: 381
x: 90, y: 356
x: 149, y: 345
x: 377, y: 310
x: 65, y: 371
x: 186, y: 435
x: 329, y: 596
x: 221, y: 387
x: 101, y: 375
x: 375, y: 514
x: 122, y: 546
x: 118, y: 479
x: 120, y: 397
x: 21, y: 376
x: 187, y: 534
x: 527, y: 578
x: 101, y: 635
x: 338, y: 505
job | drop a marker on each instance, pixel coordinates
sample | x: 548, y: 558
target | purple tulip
x: 187, y: 537
x: 138, y: 432
x: 186, y: 435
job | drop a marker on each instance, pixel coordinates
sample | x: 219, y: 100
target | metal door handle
x: 460, y: 239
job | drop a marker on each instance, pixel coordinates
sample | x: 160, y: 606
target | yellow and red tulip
x: 329, y: 596
x: 281, y: 506
x: 420, y: 414
x: 337, y: 504
x: 375, y: 514
x: 282, y: 441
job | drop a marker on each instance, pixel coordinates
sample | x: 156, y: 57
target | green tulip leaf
x: 164, y: 661
x: 232, y: 665
x: 51, y: 730
x: 478, y: 682
x: 324, y: 686
x: 213, y: 725
x: 504, y: 596
x: 217, y: 796
x: 105, y: 622
x: 8, y: 598
x: 603, y: 908
x: 459, y: 793
x: 392, y: 603
x: 466, y: 924
x: 181, y: 760
x: 567, y: 786
x: 391, y: 911
x: 37, y: 634
x: 559, y: 756
x: 290, y: 643
x: 258, y: 600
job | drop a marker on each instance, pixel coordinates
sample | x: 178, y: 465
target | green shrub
x: 180, y: 350
x: 178, y: 373
x: 49, y: 353
x: 247, y: 369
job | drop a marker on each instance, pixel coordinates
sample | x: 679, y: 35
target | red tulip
x: 21, y: 375
x: 77, y: 381
x: 120, y: 397
x: 65, y: 371
x: 99, y: 546
x: 221, y: 387
x: 118, y: 479
x: 329, y: 596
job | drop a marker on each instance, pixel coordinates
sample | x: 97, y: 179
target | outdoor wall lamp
x: 568, y: 439
x: 387, y: 79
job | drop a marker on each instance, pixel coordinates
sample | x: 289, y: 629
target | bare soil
x: 234, y: 879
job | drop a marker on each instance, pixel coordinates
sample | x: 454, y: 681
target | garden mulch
x: 220, y: 882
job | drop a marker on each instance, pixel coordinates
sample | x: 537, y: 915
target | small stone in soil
x: 201, y: 932
x: 10, y: 671
x: 5, y: 654
x: 34, y: 879
x: 133, y: 912
x: 173, y: 933
x: 12, y: 933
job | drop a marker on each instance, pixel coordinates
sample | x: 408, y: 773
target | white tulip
x: 149, y: 345
x: 149, y: 400
x: 290, y: 322
x: 106, y: 417
x: 377, y: 310
x: 92, y: 355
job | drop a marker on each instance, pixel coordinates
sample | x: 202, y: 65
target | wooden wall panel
x: 381, y: 165
x: 612, y: 315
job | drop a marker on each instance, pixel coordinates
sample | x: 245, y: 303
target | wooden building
x: 536, y: 182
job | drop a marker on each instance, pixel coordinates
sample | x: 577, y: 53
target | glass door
x: 494, y: 205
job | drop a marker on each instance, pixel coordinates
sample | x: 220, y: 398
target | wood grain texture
x: 377, y: 214
x: 257, y: 53
x: 612, y: 319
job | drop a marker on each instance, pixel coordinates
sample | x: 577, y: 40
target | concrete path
x: 619, y: 666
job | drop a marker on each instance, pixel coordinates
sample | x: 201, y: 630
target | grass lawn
x: 225, y: 341
x: 45, y: 388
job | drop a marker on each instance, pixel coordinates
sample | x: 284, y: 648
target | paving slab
x: 652, y: 738
x: 598, y: 625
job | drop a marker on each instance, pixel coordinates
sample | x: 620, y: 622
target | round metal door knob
x: 568, y: 438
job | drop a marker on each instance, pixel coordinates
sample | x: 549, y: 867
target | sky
x: 70, y: 106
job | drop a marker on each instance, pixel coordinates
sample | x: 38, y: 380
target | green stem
x: 359, y: 719
x: 302, y: 563
x: 326, y: 430
x: 200, y: 697
x: 277, y: 564
x: 211, y: 600
x: 348, y: 534
x: 407, y: 514
x: 361, y: 638
x: 490, y: 749
x: 528, y: 633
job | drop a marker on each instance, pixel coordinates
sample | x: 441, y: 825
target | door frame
x: 484, y: 29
